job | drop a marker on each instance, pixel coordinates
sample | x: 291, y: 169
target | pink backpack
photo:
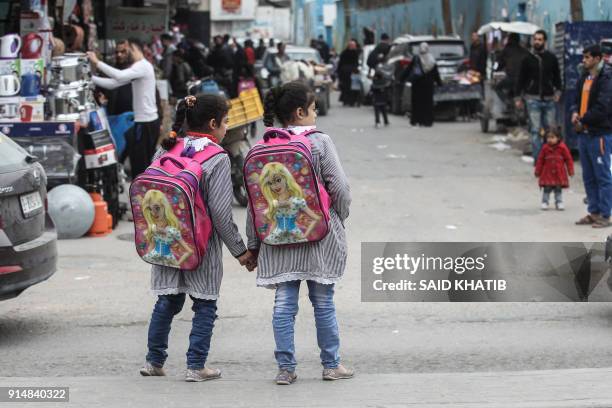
x: 289, y: 204
x: 171, y: 224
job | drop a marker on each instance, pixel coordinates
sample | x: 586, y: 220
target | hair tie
x: 190, y: 101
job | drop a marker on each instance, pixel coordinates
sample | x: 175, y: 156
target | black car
x: 28, y: 250
x: 451, y: 57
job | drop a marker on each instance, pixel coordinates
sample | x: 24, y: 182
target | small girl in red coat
x: 553, y: 165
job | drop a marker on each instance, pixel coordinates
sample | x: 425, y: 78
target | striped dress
x: 204, y: 282
x: 323, y: 261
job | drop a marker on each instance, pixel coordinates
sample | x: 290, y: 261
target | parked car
x: 28, y: 251
x: 452, y: 59
x: 321, y: 83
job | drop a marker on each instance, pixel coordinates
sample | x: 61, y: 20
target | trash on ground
x: 527, y: 159
x: 396, y: 156
x: 499, y: 146
x: 451, y: 227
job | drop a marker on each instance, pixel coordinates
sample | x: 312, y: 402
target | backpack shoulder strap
x: 211, y: 150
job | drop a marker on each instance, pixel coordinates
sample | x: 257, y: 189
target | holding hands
x: 249, y: 260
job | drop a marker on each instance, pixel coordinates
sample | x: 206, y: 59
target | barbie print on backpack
x: 299, y: 198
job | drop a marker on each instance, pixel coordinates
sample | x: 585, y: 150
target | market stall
x: 47, y: 105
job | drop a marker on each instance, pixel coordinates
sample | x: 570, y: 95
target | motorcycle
x: 235, y: 142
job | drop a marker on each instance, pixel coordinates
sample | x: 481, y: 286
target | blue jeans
x: 542, y: 115
x: 283, y: 321
x: 558, y: 194
x: 595, y: 152
x: 165, y: 309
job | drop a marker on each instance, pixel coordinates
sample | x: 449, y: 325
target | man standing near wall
x: 592, y: 117
x: 539, y: 83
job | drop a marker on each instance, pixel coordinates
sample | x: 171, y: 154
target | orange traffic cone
x: 103, y: 221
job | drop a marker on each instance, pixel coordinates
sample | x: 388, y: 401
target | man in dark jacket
x: 509, y: 61
x: 539, y: 83
x: 478, y: 55
x: 379, y: 53
x: 592, y: 117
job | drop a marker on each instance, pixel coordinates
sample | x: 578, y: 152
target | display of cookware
x: 32, y: 46
x: 30, y: 84
x: 70, y: 68
x: 70, y: 99
x: 9, y: 85
x: 10, y: 45
x: 9, y: 109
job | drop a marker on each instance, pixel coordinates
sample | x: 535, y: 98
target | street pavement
x: 86, y: 327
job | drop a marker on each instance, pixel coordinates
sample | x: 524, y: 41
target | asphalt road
x: 444, y: 183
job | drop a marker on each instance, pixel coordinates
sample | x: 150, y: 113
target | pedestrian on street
x: 141, y: 75
x: 478, y: 55
x: 349, y: 61
x: 539, y: 84
x: 423, y: 74
x: 379, y: 53
x: 509, y: 61
x: 552, y: 168
x: 120, y: 98
x: 321, y: 264
x: 260, y: 50
x: 180, y: 75
x: 167, y: 55
x: 592, y: 118
x: 323, y: 49
x: 206, y: 119
x: 380, y: 100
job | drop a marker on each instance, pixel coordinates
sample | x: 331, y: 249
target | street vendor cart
x: 494, y: 108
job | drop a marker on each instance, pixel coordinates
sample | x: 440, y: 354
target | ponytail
x: 270, y: 107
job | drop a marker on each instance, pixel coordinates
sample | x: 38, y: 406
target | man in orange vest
x: 592, y: 118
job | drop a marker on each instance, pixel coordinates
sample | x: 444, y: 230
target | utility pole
x: 347, y: 21
x: 576, y: 9
x: 447, y: 17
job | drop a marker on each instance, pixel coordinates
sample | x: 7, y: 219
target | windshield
x: 11, y: 154
x: 295, y: 55
x: 304, y: 55
x: 442, y: 50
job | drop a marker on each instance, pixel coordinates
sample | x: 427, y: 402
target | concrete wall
x: 426, y: 17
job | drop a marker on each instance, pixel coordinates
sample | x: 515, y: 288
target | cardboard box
x: 32, y: 109
x: 31, y: 66
x: 10, y: 66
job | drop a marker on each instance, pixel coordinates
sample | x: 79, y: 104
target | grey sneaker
x: 544, y: 206
x: 149, y: 370
x: 338, y: 373
x: 204, y: 374
x: 560, y: 206
x: 285, y: 377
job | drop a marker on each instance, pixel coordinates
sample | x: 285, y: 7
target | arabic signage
x: 141, y: 23
x: 232, y: 10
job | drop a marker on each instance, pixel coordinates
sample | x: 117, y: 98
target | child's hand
x: 249, y: 260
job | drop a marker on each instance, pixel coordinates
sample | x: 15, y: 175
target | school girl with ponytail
x: 321, y: 264
x: 205, y: 117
